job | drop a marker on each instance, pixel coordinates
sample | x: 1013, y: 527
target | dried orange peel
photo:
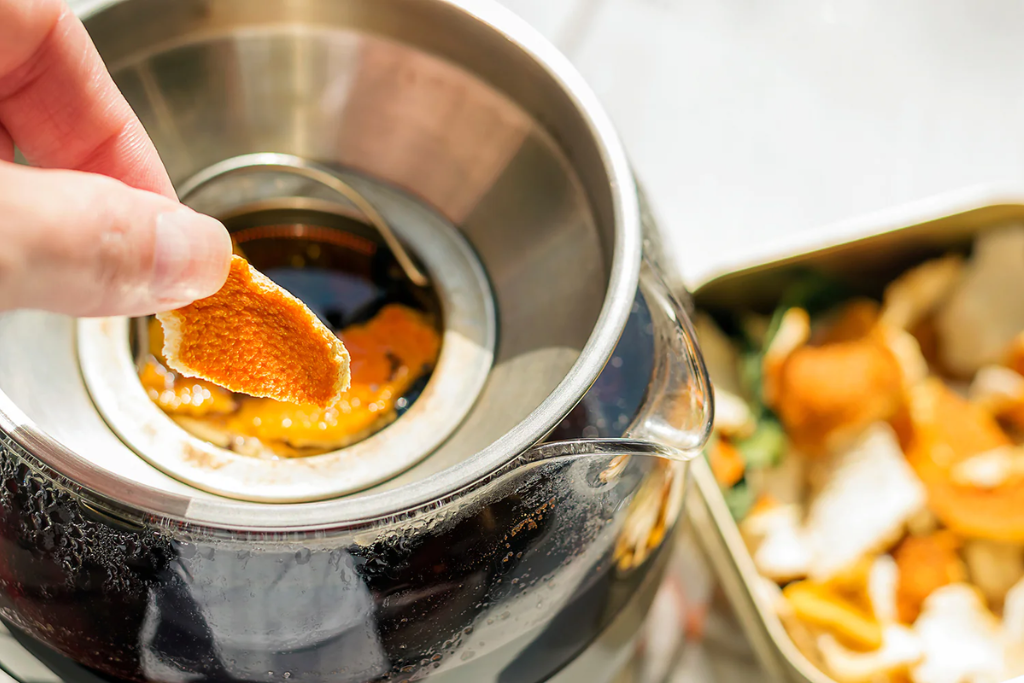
x: 855, y: 320
x: 388, y: 354
x: 944, y: 431
x: 961, y: 639
x: 176, y: 395
x: 827, y: 392
x: 192, y: 397
x: 253, y: 337
x: 726, y: 463
x: 818, y: 605
x: 926, y: 563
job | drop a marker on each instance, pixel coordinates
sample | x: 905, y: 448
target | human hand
x: 107, y: 235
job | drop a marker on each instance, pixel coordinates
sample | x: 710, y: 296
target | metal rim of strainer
x: 466, y: 355
x: 289, y: 163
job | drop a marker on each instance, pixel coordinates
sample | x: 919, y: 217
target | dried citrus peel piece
x: 726, y: 463
x: 926, y: 563
x: 253, y: 337
x: 388, y: 354
x: 914, y: 295
x: 1000, y: 391
x: 195, y: 397
x: 946, y: 430
x: 995, y: 568
x: 980, y: 318
x: 815, y: 604
x: 178, y: 396
x: 827, y: 392
x: 961, y: 640
x: 900, y: 649
x: 777, y: 543
x: 866, y: 496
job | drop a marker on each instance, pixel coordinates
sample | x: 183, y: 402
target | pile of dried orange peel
x: 873, y: 455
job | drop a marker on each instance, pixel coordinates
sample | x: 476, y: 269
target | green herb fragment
x: 739, y: 499
x: 814, y: 292
x: 766, y: 446
x: 750, y: 373
x: 817, y: 294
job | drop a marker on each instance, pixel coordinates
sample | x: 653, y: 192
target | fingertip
x: 191, y: 257
x: 88, y: 245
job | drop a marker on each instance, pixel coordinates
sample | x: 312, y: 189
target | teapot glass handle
x: 675, y: 419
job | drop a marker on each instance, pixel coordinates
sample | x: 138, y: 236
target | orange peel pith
x: 253, y: 337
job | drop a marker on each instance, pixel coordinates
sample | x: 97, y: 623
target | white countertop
x: 751, y: 121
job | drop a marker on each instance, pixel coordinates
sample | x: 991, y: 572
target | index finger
x: 59, y: 104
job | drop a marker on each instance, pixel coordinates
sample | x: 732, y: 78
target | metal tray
x: 869, y: 252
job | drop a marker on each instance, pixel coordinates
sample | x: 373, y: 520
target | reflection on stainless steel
x: 491, y: 560
x: 439, y: 130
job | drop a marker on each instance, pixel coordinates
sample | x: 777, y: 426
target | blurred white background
x: 751, y: 120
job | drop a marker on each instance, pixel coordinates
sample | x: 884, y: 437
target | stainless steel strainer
x: 110, y: 370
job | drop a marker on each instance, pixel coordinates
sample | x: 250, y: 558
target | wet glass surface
x: 428, y: 593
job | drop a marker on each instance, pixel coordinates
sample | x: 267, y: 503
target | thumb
x: 88, y: 245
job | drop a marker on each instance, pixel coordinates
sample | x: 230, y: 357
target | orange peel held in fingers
x: 253, y: 337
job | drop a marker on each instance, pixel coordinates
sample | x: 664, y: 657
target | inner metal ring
x: 289, y: 163
x: 466, y: 355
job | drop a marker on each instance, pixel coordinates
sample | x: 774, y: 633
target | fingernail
x: 191, y: 258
